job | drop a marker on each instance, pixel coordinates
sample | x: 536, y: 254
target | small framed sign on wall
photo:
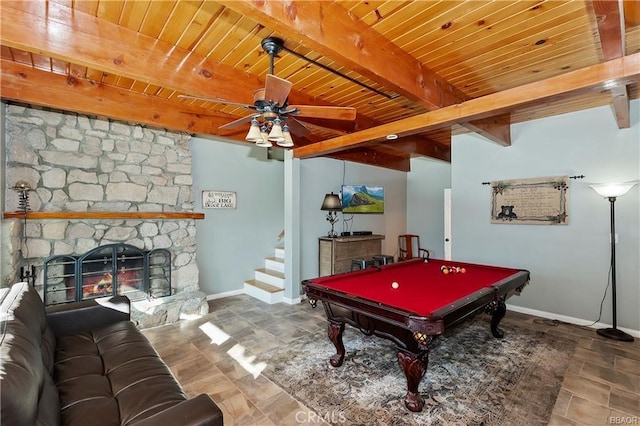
x: 218, y: 199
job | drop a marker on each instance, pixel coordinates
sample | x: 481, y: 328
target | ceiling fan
x: 274, y: 117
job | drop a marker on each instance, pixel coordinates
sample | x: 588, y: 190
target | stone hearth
x: 77, y: 163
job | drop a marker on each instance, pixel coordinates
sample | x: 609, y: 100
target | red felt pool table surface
x: 422, y: 287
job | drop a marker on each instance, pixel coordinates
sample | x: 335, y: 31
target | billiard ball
x: 444, y: 269
x: 462, y: 270
x: 394, y: 284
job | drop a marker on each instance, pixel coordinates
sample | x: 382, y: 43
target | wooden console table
x: 335, y: 254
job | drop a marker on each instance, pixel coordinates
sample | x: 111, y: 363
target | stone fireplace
x: 132, y: 183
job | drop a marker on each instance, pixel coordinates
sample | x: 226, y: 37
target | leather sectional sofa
x: 86, y: 363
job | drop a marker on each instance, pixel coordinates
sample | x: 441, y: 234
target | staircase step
x: 280, y: 252
x: 264, y: 286
x: 274, y: 263
x: 263, y: 291
x: 270, y: 276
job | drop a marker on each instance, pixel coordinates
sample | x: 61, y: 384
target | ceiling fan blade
x: 327, y: 112
x: 297, y: 128
x: 238, y: 122
x: 216, y: 100
x: 277, y: 89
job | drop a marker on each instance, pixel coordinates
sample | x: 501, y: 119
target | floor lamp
x: 612, y: 191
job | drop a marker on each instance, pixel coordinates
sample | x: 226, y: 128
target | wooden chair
x: 409, y: 247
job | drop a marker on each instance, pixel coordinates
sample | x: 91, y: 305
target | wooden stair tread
x: 273, y: 272
x: 264, y: 286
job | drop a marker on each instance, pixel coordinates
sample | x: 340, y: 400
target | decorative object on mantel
x: 612, y: 191
x: 218, y: 199
x: 534, y: 201
x: 332, y: 204
x: 27, y: 274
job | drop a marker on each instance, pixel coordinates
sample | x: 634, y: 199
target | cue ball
x: 394, y: 284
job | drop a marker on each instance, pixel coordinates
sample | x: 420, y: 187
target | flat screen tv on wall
x: 362, y: 199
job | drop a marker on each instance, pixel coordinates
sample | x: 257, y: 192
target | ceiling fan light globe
x: 254, y: 132
x: 287, y: 142
x: 276, y: 135
x: 264, y: 144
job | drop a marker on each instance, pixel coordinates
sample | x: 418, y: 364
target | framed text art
x: 218, y: 200
x: 535, y: 201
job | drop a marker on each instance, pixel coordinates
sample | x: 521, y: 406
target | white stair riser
x: 279, y: 253
x: 269, y: 279
x: 274, y: 264
x: 262, y: 295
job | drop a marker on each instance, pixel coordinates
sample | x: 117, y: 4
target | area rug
x: 472, y: 378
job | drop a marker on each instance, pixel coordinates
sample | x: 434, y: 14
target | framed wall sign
x: 537, y: 201
x: 218, y: 200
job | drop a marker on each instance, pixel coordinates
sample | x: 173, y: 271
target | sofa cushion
x: 31, y: 312
x: 107, y: 374
x: 28, y: 395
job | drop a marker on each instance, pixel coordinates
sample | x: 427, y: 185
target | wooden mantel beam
x: 623, y: 70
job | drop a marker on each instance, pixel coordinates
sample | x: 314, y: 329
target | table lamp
x: 612, y: 191
x: 332, y: 205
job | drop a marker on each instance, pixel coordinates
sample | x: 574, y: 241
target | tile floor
x: 215, y: 354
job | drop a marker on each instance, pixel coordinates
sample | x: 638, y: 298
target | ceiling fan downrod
x: 273, y: 46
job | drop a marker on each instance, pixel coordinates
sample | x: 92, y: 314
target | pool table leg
x: 414, y: 367
x: 334, y: 331
x: 499, y: 311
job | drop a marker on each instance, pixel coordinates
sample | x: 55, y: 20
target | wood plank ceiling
x: 422, y: 70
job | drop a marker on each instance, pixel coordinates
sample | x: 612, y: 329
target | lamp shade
x: 331, y: 203
x: 287, y: 142
x: 612, y: 189
x: 275, y: 135
x: 254, y: 132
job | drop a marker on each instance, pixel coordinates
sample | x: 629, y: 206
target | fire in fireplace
x: 108, y: 270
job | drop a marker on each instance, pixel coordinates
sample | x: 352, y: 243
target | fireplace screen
x: 108, y: 270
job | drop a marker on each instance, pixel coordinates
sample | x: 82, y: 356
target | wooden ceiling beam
x: 623, y: 71
x: 422, y: 146
x: 62, y: 33
x: 24, y: 84
x: 496, y: 128
x: 81, y: 39
x: 611, y: 34
x: 631, y: 13
x: 329, y: 29
x: 372, y: 157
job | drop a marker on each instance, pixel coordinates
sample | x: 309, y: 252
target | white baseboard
x: 290, y: 301
x: 237, y: 292
x: 567, y: 319
x: 225, y: 294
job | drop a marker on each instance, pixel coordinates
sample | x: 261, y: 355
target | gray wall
x: 425, y: 200
x: 569, y: 265
x: 232, y: 243
x: 320, y: 176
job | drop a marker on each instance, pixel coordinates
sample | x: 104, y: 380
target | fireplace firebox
x: 107, y: 270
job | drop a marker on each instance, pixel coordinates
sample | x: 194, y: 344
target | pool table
x: 410, y: 303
